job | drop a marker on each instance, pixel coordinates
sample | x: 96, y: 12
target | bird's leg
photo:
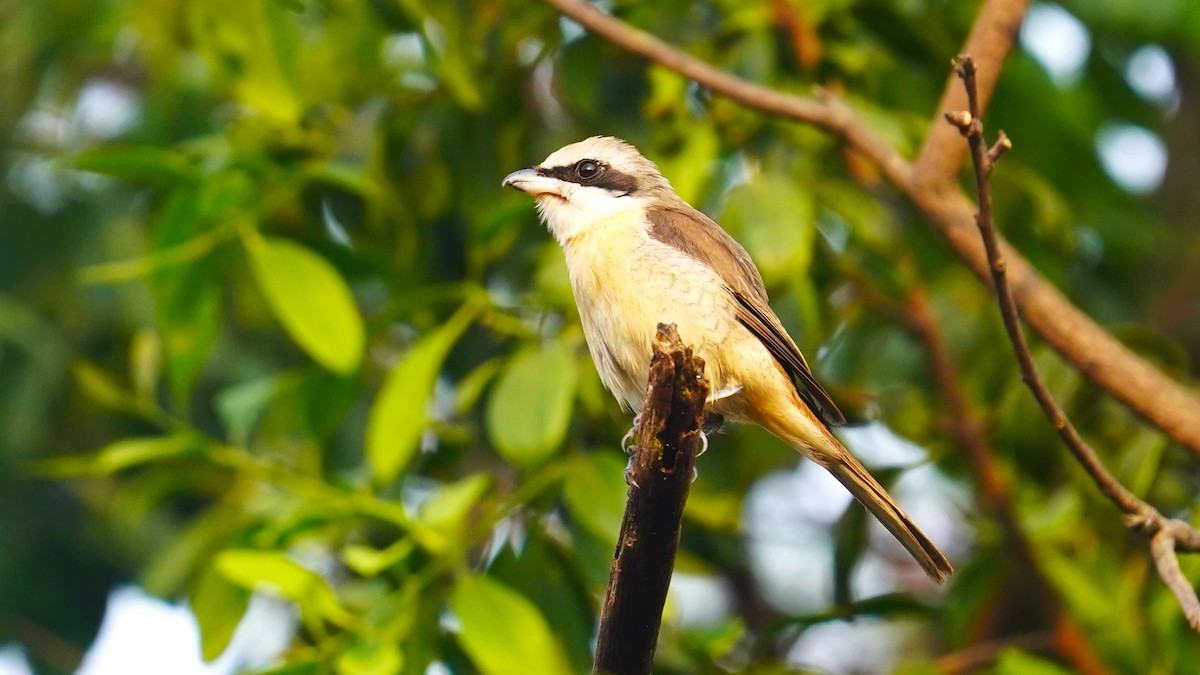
x: 629, y: 445
x: 629, y: 440
x: 711, y: 423
x: 700, y: 451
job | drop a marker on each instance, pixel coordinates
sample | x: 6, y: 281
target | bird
x: 638, y: 255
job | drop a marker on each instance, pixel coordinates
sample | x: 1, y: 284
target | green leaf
x: 399, y: 413
x: 595, y: 491
x: 252, y: 52
x: 502, y: 631
x: 137, y: 164
x: 773, y: 218
x: 219, y: 607
x: 691, y: 168
x: 256, y: 570
x: 164, y: 258
x: 367, y: 561
x: 240, y: 406
x: 186, y: 277
x: 120, y: 455
x: 310, y: 299
x: 471, y: 387
x: 145, y: 365
x: 99, y: 387
x: 370, y: 658
x: 530, y: 407
x: 445, y: 513
x: 1016, y: 662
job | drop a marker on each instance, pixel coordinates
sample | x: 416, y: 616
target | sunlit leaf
x: 368, y: 561
x: 530, y: 407
x: 502, y: 631
x: 252, y: 52
x: 370, y: 658
x: 310, y: 299
x: 1013, y: 661
x: 161, y: 259
x: 274, y: 571
x: 692, y: 168
x: 145, y: 364
x: 445, y: 513
x: 398, y: 415
x: 123, y: 454
x: 218, y: 606
x: 100, y: 387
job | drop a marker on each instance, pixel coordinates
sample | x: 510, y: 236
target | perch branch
x: 660, y: 476
x: 1166, y: 535
x: 1163, y: 402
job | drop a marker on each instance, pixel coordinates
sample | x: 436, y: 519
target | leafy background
x: 269, y: 328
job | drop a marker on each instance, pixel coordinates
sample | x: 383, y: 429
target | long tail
x: 799, y: 427
x: 871, y: 494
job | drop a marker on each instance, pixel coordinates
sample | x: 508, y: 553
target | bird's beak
x: 531, y: 183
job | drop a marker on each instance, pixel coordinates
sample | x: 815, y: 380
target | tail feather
x: 794, y: 423
x: 872, y: 495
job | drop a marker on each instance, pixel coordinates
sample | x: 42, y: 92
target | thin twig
x: 992, y: 37
x: 995, y: 489
x: 1070, y: 641
x: 1167, y: 535
x: 976, y: 656
x: 1163, y: 402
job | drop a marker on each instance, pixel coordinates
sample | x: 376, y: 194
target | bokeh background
x: 289, y: 384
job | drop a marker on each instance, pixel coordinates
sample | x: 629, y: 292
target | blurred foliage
x: 269, y: 324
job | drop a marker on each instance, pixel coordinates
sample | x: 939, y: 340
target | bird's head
x: 585, y: 182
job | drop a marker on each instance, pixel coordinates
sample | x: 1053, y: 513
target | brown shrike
x: 638, y: 255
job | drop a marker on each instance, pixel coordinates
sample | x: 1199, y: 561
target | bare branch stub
x: 1166, y: 535
x: 660, y: 477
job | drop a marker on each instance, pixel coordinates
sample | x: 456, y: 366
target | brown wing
x: 695, y: 234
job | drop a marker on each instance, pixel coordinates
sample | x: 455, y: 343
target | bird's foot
x: 629, y: 440
x: 711, y: 423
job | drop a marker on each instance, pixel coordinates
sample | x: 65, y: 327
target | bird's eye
x: 587, y: 168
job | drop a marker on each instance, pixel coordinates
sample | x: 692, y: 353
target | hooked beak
x: 532, y: 183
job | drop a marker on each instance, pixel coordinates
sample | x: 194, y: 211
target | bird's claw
x: 629, y: 440
x: 711, y: 423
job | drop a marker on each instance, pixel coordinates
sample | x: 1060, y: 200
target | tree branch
x: 1163, y: 402
x: 660, y: 477
x: 1166, y: 535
